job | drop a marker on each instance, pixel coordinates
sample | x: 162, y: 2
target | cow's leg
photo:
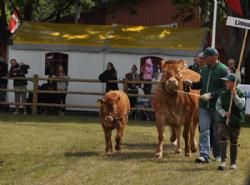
x: 160, y: 129
x: 108, y: 148
x: 192, y: 138
x: 172, y: 137
x: 178, y: 138
x: 186, y: 136
x: 118, y: 139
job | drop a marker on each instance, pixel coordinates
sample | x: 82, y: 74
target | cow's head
x: 171, y: 74
x: 109, y: 107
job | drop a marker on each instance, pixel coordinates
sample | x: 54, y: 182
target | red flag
x: 235, y: 6
x: 14, y: 22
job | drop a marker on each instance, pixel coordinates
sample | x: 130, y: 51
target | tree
x: 3, y: 22
x: 231, y: 41
x: 185, y: 10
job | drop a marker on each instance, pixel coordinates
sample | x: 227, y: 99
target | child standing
x: 231, y: 131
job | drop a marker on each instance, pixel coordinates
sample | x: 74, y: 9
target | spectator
x: 133, y: 88
x: 156, y: 78
x: 62, y: 86
x: 108, y: 75
x: 211, y: 86
x: 231, y: 65
x: 19, y: 85
x: 233, y: 69
x: 199, y: 63
x: 147, y: 75
x: 3, y: 82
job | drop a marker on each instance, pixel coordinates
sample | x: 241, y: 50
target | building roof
x: 116, y: 38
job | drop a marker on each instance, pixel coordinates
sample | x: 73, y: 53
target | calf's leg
x: 118, y: 139
x: 108, y: 148
x: 178, y: 137
x: 160, y: 129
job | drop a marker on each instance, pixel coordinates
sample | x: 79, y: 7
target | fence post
x: 35, y: 94
x: 125, y: 86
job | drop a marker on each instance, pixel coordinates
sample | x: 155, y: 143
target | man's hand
x: 188, y: 82
x: 206, y: 96
x: 233, y: 92
x: 227, y: 115
x: 187, y: 85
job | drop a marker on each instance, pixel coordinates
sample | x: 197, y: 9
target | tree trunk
x: 28, y: 9
x: 3, y: 23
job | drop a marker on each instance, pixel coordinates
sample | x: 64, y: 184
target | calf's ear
x: 118, y: 98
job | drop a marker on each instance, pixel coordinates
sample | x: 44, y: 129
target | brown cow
x: 176, y: 108
x: 114, y: 112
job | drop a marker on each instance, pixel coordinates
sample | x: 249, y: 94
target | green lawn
x: 57, y: 151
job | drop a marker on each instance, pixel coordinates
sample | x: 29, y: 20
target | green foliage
x: 186, y: 9
x: 47, y: 10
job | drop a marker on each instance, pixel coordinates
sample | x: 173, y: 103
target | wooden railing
x: 35, y: 91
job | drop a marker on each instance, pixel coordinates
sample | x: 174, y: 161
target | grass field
x: 70, y: 151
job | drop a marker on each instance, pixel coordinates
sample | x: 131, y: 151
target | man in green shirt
x: 211, y: 85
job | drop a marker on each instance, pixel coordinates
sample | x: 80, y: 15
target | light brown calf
x: 114, y: 112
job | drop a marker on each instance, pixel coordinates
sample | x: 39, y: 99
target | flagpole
x: 214, y: 24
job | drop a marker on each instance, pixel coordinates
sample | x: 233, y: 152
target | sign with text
x: 238, y: 22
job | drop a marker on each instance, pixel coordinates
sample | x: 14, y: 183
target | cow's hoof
x: 117, y: 148
x: 108, y: 154
x: 178, y: 151
x: 194, y: 150
x: 158, y: 156
x: 188, y: 154
x: 173, y: 144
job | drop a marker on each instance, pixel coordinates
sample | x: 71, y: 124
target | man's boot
x: 233, y: 155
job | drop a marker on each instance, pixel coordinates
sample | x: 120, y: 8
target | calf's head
x: 171, y: 75
x: 109, y: 107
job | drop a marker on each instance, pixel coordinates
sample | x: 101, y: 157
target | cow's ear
x: 162, y: 63
x: 100, y: 101
x: 183, y: 64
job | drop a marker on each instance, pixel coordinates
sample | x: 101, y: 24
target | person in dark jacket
x: 108, y: 75
x: 19, y: 85
x: 231, y: 131
x: 3, y: 82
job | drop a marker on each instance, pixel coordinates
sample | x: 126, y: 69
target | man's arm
x: 239, y: 102
x: 219, y: 108
x: 196, y: 85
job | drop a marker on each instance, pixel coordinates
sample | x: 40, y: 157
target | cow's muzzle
x: 109, y: 118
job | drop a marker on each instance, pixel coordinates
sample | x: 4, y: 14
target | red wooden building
x: 149, y: 13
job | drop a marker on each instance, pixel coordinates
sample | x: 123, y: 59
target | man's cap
x: 209, y: 52
x: 230, y: 77
x: 201, y: 55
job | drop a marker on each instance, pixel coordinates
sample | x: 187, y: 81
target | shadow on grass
x: 7, y: 117
x: 81, y: 154
x: 124, y: 156
x: 68, y: 118
x: 147, y: 146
